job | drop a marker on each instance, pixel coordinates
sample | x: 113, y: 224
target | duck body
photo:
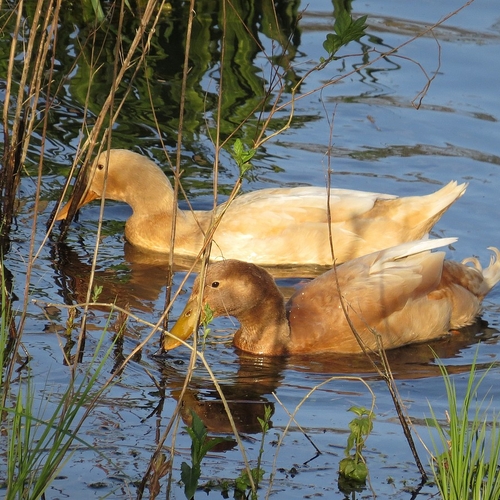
x: 402, y: 295
x: 271, y: 227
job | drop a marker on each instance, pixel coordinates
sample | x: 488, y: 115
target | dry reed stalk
x: 108, y: 112
x: 203, y: 255
x: 386, y: 372
x: 42, y: 35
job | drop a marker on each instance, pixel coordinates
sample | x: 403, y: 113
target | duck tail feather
x: 423, y: 245
x: 492, y: 273
x: 446, y: 196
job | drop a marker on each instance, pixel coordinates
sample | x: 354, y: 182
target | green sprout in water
x: 96, y: 293
x: 208, y: 316
x: 353, y: 467
x: 201, y: 444
x: 243, y: 481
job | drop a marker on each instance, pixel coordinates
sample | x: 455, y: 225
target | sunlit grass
x: 40, y: 440
x: 467, y: 448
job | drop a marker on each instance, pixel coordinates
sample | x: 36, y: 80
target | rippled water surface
x: 386, y: 132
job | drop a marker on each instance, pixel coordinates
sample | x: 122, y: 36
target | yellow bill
x: 184, y: 327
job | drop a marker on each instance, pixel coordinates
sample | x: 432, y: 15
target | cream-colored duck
x: 402, y: 295
x: 268, y: 227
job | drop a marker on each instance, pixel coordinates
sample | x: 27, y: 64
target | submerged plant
x: 468, y: 468
x: 353, y: 467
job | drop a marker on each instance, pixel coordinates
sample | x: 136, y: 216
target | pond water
x: 380, y: 142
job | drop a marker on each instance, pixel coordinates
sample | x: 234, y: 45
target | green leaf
x: 238, y: 148
x: 346, y: 30
x: 359, y: 410
x: 207, y: 318
x: 352, y: 470
x: 201, y: 444
x: 189, y: 477
x: 242, y: 482
x: 198, y: 427
x: 242, y: 157
x: 96, y: 292
x: 210, y: 443
x: 342, y: 23
x: 332, y: 44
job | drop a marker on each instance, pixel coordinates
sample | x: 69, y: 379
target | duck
x: 403, y: 295
x: 269, y: 227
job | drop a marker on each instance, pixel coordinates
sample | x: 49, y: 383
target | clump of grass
x: 468, y: 468
x: 38, y: 446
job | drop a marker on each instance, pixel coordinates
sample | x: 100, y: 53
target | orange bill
x: 86, y: 198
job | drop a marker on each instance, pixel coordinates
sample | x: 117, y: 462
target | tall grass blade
x: 467, y: 447
x: 38, y: 447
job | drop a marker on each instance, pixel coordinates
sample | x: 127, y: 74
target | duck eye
x: 214, y: 284
x: 100, y: 166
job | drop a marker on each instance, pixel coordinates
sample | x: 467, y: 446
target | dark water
x: 380, y: 142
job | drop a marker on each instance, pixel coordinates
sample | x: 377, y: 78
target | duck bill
x: 86, y: 198
x: 184, y: 327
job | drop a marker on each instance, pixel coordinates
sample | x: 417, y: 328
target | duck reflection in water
x: 136, y: 283
x: 247, y: 393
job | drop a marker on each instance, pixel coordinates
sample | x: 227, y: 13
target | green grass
x: 467, y: 448
x: 39, y: 439
x: 201, y: 444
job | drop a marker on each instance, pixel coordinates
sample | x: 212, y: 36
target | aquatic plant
x: 353, y: 467
x: 243, y: 483
x: 467, y: 448
x: 201, y: 444
x: 346, y: 30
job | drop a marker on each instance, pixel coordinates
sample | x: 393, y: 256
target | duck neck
x: 264, y: 328
x: 155, y: 198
